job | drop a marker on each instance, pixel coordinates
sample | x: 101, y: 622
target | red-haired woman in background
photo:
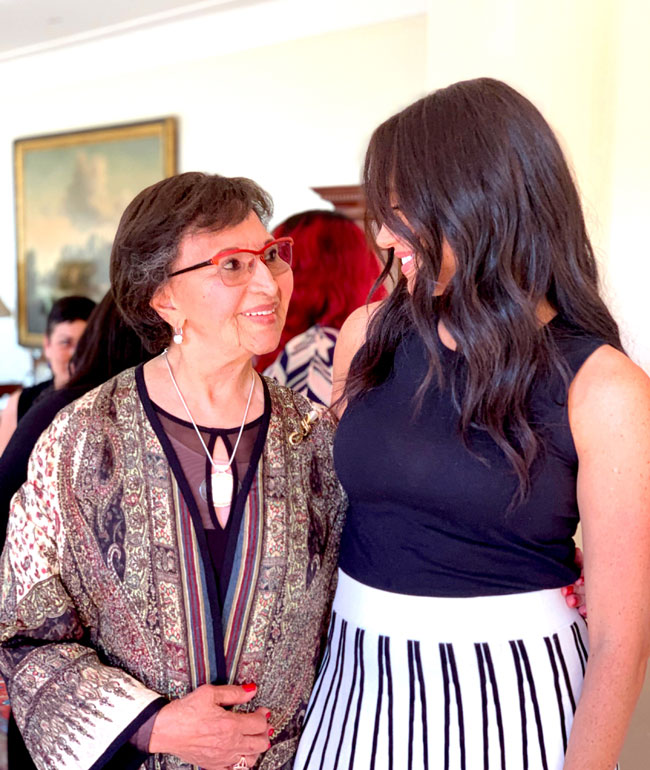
x: 334, y: 271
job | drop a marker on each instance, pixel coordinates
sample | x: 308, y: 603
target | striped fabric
x: 200, y: 642
x: 480, y: 701
x: 239, y: 598
x: 305, y: 364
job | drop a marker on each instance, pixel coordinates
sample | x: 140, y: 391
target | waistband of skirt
x: 478, y: 618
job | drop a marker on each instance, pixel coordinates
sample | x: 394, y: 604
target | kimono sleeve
x: 73, y: 711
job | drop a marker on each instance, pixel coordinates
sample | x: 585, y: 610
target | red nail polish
x: 569, y: 590
x: 249, y: 686
x: 268, y: 715
x: 271, y: 731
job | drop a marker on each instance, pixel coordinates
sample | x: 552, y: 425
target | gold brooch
x: 306, y: 423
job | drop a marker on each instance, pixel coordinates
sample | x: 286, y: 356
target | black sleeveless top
x: 29, y: 395
x: 429, y: 517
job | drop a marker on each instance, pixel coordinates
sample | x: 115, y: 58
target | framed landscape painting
x: 71, y: 190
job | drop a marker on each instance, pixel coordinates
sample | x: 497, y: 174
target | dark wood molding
x: 348, y: 199
x: 9, y: 387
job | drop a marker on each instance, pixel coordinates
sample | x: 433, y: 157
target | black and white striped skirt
x: 427, y: 683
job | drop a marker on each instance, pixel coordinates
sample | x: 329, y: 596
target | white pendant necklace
x: 221, y: 479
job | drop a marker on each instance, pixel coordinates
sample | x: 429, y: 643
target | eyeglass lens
x: 237, y: 268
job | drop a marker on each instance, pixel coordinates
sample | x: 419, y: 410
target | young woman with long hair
x: 487, y: 407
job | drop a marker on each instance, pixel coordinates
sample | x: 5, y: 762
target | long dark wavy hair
x: 477, y: 165
x: 107, y: 347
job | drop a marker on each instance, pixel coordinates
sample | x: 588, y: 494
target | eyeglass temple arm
x: 192, y: 267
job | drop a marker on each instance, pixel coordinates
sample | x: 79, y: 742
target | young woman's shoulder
x: 353, y: 331
x: 350, y: 339
x: 609, y: 394
x: 9, y: 419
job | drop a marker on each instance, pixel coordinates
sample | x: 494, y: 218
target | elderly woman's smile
x: 263, y: 313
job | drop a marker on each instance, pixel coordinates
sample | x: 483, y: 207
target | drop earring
x: 178, y: 335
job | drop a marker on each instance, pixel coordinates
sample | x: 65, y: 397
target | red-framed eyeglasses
x: 235, y: 269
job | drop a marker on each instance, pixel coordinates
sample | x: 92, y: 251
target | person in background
x: 65, y: 325
x: 334, y: 271
x: 107, y: 346
x: 487, y: 408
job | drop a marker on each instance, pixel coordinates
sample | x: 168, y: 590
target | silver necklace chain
x: 216, y: 468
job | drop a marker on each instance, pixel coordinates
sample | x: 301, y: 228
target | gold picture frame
x: 71, y: 190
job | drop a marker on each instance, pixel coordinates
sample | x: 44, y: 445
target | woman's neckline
x: 185, y: 423
x: 206, y: 429
x: 551, y: 324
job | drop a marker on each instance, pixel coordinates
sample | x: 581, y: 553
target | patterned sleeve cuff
x: 124, y: 753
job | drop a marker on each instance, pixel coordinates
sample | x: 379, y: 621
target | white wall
x: 291, y: 115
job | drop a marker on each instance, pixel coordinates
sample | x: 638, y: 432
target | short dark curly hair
x: 151, y: 229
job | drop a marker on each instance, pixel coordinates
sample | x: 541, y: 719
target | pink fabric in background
x: 4, y: 721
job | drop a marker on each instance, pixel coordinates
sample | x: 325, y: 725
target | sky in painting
x: 74, y: 192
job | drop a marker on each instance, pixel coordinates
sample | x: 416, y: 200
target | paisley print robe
x: 107, y: 597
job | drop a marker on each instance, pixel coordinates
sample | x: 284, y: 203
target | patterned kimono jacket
x: 108, y: 600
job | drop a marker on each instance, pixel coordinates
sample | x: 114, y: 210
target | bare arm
x: 350, y: 339
x: 609, y: 413
x: 9, y: 419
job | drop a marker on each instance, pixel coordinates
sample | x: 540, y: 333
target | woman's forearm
x: 613, y: 681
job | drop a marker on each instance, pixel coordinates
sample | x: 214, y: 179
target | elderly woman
x: 173, y: 551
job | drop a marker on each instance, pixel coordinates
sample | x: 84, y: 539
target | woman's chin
x: 260, y: 346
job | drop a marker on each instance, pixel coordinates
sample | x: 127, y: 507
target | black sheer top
x: 193, y: 472
x: 29, y: 396
x: 197, y: 470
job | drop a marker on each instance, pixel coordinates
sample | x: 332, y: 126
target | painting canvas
x: 71, y: 190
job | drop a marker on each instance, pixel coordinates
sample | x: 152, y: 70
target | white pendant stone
x: 222, y: 487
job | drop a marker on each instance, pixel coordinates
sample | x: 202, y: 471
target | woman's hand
x: 201, y: 731
x: 575, y: 593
